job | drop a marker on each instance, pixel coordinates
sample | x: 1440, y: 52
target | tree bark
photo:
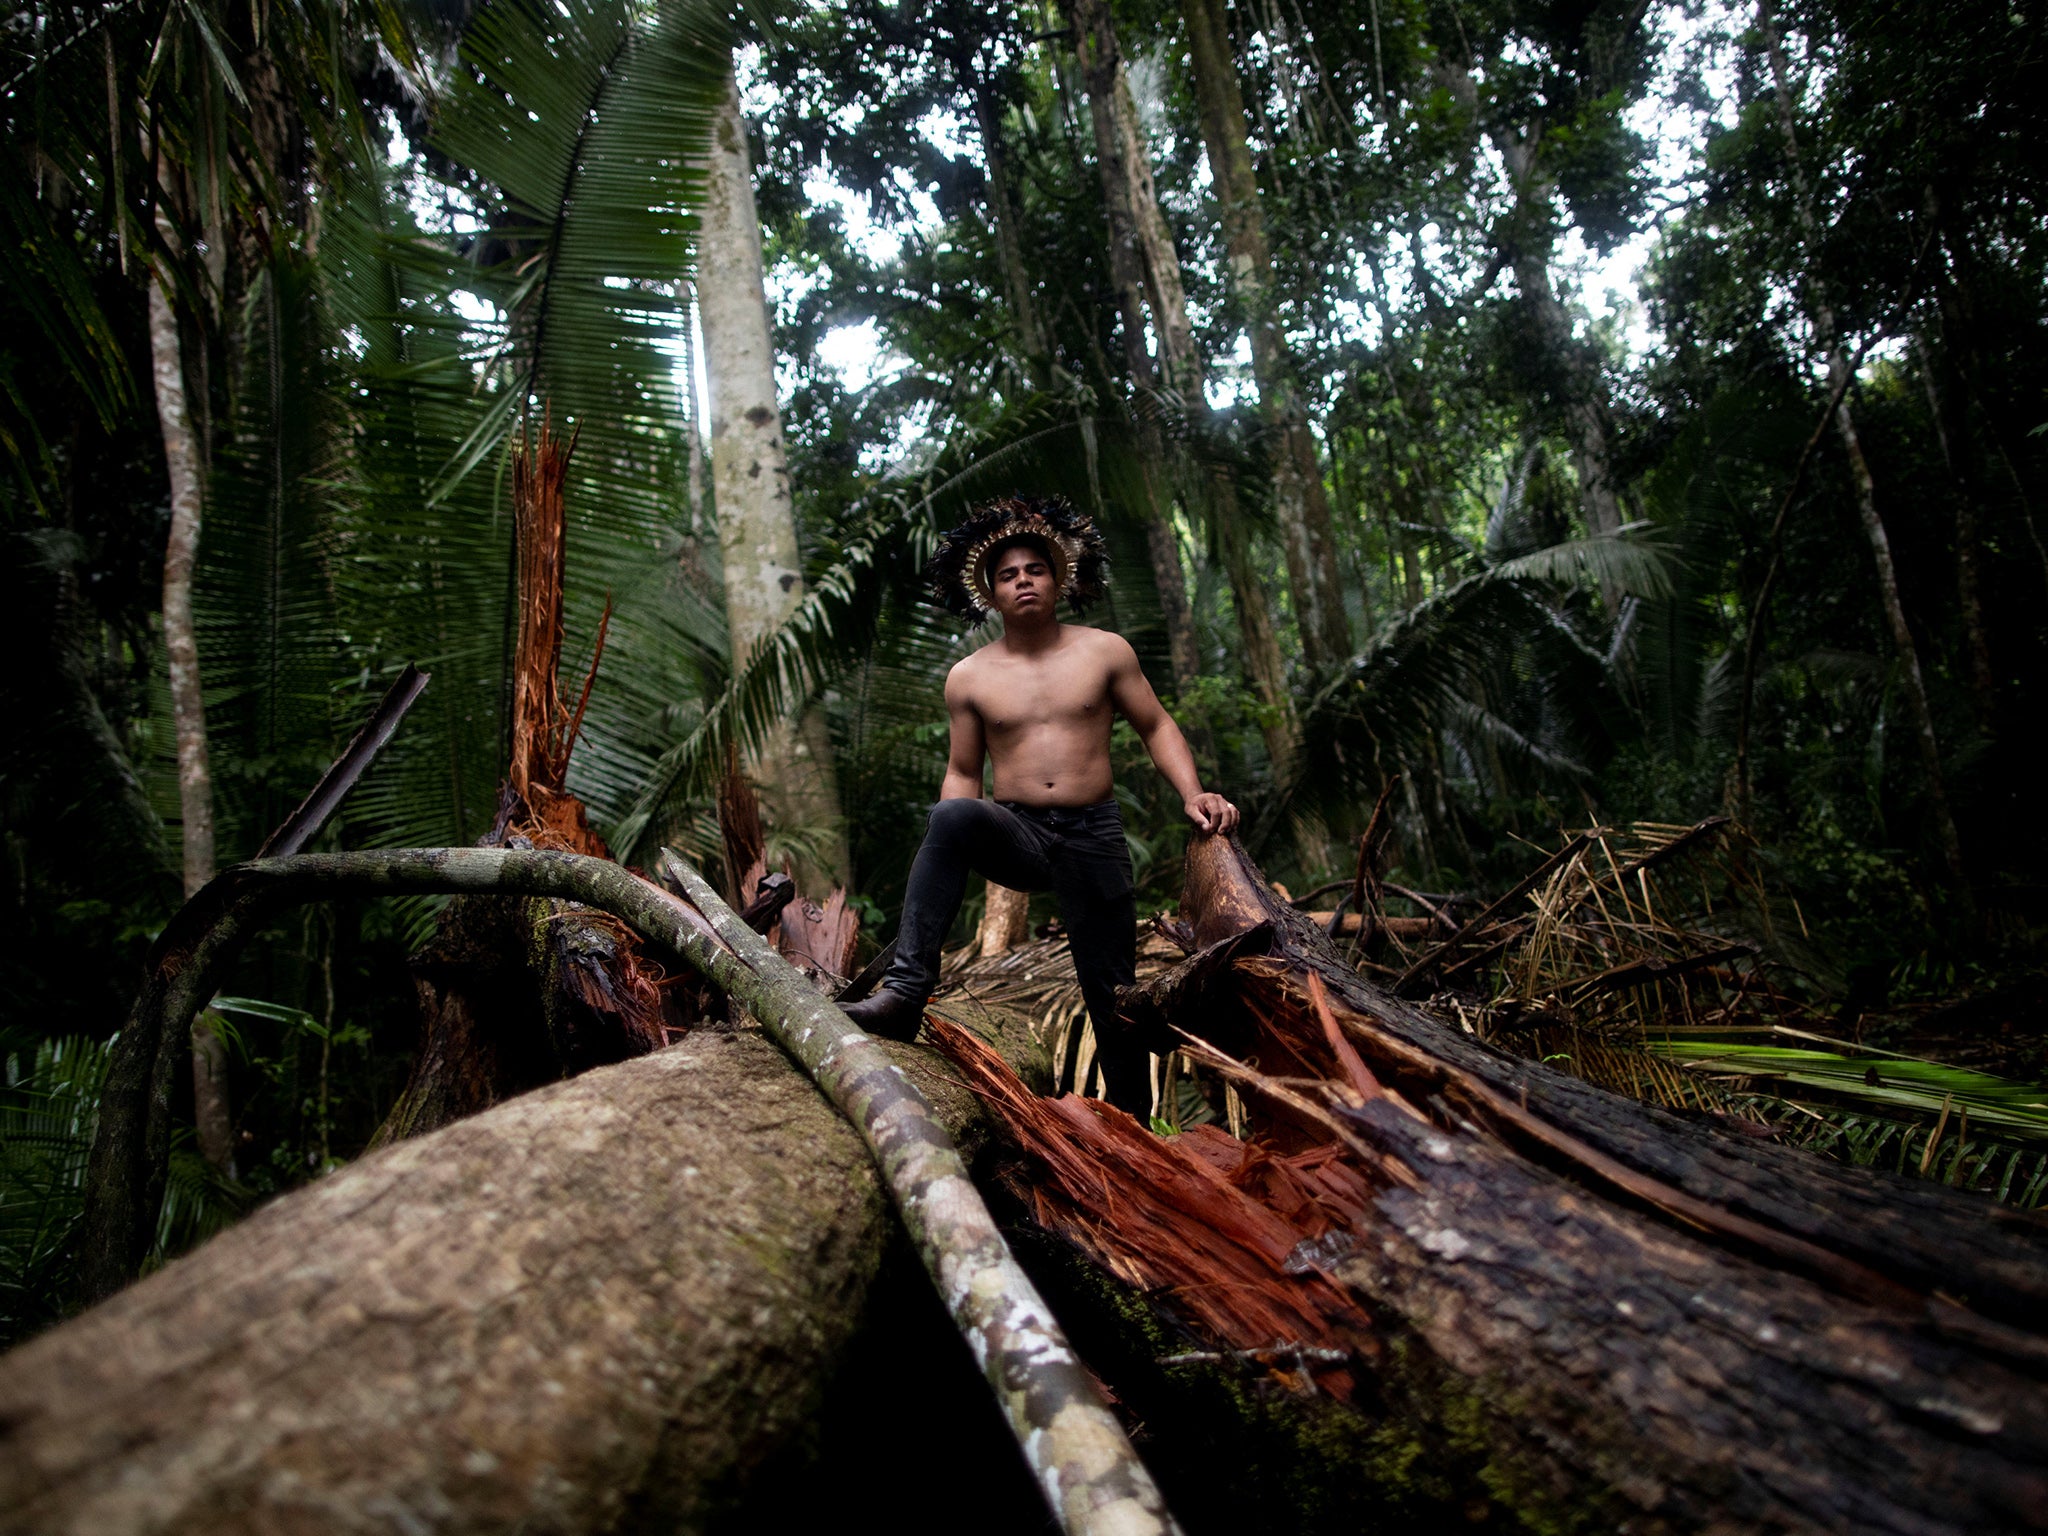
x: 1300, y: 504
x: 185, y: 459
x: 1585, y: 396
x: 1007, y: 220
x: 1498, y: 1292
x: 1005, y: 921
x: 600, y: 1305
x: 1821, y: 311
x: 1091, y: 1478
x: 1969, y: 549
x: 695, y: 440
x: 750, y: 487
x: 1145, y: 266
x: 1118, y: 176
x: 1526, y: 247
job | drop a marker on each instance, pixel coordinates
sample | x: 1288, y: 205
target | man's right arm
x: 965, y: 745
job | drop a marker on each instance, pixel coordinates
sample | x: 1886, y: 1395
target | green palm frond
x: 49, y: 1108
x: 585, y: 125
x: 49, y: 288
x: 1882, y: 1080
x: 1452, y: 664
x: 1626, y: 562
x: 269, y: 638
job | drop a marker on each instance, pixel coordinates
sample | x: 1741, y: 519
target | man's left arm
x: 1132, y: 694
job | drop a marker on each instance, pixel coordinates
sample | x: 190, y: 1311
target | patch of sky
x: 1673, y: 123
x: 1229, y: 380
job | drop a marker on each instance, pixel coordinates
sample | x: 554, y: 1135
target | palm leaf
x: 1846, y: 1075
x: 584, y: 124
x: 269, y: 639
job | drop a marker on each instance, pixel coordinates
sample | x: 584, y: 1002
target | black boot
x: 892, y: 1015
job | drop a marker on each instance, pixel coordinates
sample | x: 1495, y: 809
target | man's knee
x: 953, y: 822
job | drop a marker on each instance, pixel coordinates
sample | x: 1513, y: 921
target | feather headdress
x: 1080, y: 558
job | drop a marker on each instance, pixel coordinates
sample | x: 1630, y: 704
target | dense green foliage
x: 393, y: 231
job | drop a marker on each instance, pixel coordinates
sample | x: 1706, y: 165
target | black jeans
x: 1078, y: 852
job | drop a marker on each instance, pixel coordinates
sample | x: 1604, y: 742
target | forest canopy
x: 1567, y: 414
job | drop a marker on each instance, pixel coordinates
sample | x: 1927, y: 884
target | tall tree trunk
x: 750, y: 485
x: 1526, y: 248
x: 1969, y: 548
x: 1585, y: 395
x: 1821, y: 311
x: 1300, y: 504
x: 1146, y: 268
x: 1101, y: 76
x: 695, y: 441
x: 185, y: 459
x: 1008, y: 221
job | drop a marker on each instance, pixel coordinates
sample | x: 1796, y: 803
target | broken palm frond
x: 1037, y: 978
x: 515, y: 994
x: 1645, y: 1307
x: 1636, y: 958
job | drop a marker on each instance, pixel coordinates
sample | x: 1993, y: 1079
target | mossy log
x: 1076, y: 1451
x: 598, y: 1306
x: 1464, y: 1286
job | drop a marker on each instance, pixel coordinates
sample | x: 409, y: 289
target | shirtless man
x: 1039, y: 702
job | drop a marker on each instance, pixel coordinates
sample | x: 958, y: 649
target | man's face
x: 1021, y: 582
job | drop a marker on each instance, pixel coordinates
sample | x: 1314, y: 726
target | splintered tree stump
x: 1491, y: 1291
x: 601, y: 1305
x: 1005, y: 921
x: 514, y: 993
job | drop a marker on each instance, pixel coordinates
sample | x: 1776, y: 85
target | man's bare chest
x: 1018, y: 701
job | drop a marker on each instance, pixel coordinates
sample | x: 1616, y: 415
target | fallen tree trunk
x: 1510, y: 1293
x: 1077, y: 1451
x: 601, y: 1304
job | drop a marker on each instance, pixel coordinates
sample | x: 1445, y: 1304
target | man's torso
x: 1046, y: 718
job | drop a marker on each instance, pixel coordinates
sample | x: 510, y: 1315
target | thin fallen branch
x: 1091, y: 1476
x: 1520, y: 889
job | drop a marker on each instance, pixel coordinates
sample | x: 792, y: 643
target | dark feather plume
x: 1072, y: 535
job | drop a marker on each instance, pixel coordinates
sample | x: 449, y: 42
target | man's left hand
x: 1212, y: 813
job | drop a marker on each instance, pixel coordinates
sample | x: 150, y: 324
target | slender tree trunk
x: 185, y: 460
x: 1004, y: 921
x: 1300, y: 503
x: 750, y: 485
x: 1008, y: 222
x: 1526, y: 249
x: 1585, y: 396
x: 1077, y: 1452
x: 1102, y: 76
x: 1969, y: 550
x: 696, y: 425
x: 1180, y: 364
x: 1146, y: 266
x: 1821, y: 312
